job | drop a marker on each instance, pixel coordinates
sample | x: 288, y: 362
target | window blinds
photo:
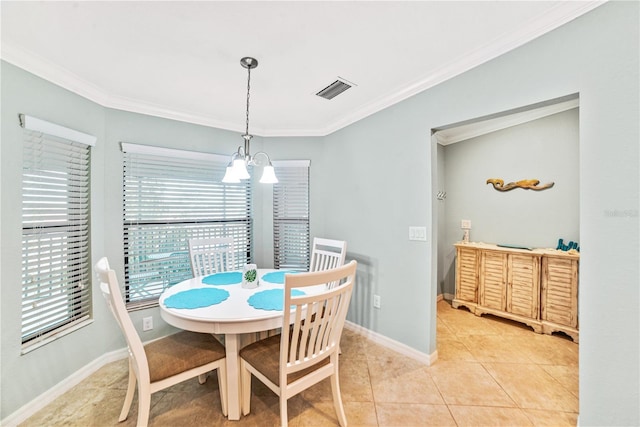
x: 56, y: 292
x: 291, y: 215
x: 170, y: 196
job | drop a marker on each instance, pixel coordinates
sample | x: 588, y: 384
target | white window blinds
x: 56, y: 292
x: 169, y: 197
x: 291, y: 215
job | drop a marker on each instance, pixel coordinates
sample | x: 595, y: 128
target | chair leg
x: 284, y: 416
x: 202, y: 378
x: 131, y: 388
x: 337, y: 399
x: 222, y: 385
x: 245, y: 387
x: 144, y: 404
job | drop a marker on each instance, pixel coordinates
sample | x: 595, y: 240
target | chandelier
x: 237, y: 167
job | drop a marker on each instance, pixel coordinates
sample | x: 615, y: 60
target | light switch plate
x: 418, y: 233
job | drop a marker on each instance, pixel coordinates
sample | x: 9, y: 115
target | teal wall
x: 27, y: 376
x: 546, y: 149
x: 384, y: 181
x: 24, y: 377
x: 369, y: 183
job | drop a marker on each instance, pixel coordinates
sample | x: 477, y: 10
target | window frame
x: 212, y: 209
x: 56, y: 228
x: 291, y: 213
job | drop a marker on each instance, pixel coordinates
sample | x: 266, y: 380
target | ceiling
x: 181, y: 59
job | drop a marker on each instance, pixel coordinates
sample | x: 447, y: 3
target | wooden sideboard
x: 538, y: 287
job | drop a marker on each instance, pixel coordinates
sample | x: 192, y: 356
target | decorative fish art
x: 527, y: 184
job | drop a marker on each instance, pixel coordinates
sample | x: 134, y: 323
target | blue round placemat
x: 226, y: 278
x: 277, y: 276
x: 270, y: 299
x: 196, y: 298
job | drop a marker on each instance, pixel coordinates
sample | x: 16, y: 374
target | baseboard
x: 428, y: 359
x: 445, y: 296
x: 74, y: 379
x: 61, y: 388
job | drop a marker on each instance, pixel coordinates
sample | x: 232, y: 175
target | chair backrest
x: 211, y: 255
x: 327, y: 254
x: 316, y: 319
x: 111, y: 293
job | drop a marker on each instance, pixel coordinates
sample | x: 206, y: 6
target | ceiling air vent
x: 334, y: 89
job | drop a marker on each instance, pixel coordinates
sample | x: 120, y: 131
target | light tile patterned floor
x: 490, y: 372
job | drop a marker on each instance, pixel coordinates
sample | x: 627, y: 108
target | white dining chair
x: 161, y: 363
x: 211, y: 255
x: 327, y: 254
x: 292, y: 362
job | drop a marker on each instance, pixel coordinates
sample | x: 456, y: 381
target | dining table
x: 219, y: 304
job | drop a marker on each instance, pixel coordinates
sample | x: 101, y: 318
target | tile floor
x: 490, y: 372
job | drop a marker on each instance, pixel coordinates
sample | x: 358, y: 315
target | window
x: 170, y: 196
x: 291, y: 215
x: 56, y: 291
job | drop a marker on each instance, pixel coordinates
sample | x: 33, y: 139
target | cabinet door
x: 493, y: 280
x: 523, y: 290
x: 467, y: 275
x: 560, y: 291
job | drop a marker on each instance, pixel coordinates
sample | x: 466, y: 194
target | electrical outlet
x: 465, y: 224
x: 376, y: 301
x: 147, y: 323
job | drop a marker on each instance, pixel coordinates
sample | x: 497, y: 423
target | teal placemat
x: 196, y: 298
x: 270, y: 299
x: 277, y: 276
x: 226, y: 278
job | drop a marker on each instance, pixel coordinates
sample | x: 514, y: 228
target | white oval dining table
x: 233, y: 317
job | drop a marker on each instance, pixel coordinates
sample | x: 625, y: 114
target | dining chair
x: 291, y: 362
x: 327, y: 253
x: 161, y: 363
x: 211, y: 255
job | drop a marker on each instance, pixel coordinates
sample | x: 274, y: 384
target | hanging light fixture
x: 237, y: 168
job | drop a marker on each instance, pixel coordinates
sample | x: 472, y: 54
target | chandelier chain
x: 248, y: 95
x: 241, y: 159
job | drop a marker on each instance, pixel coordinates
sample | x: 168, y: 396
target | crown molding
x: 68, y: 80
x: 509, y: 119
x: 561, y: 14
x: 558, y: 16
x: 156, y: 110
x: 51, y: 72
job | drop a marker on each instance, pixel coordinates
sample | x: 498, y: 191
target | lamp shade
x: 268, y: 175
x: 230, y: 176
x: 240, y: 169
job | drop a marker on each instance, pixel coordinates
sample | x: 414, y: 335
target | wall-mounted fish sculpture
x: 527, y: 184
